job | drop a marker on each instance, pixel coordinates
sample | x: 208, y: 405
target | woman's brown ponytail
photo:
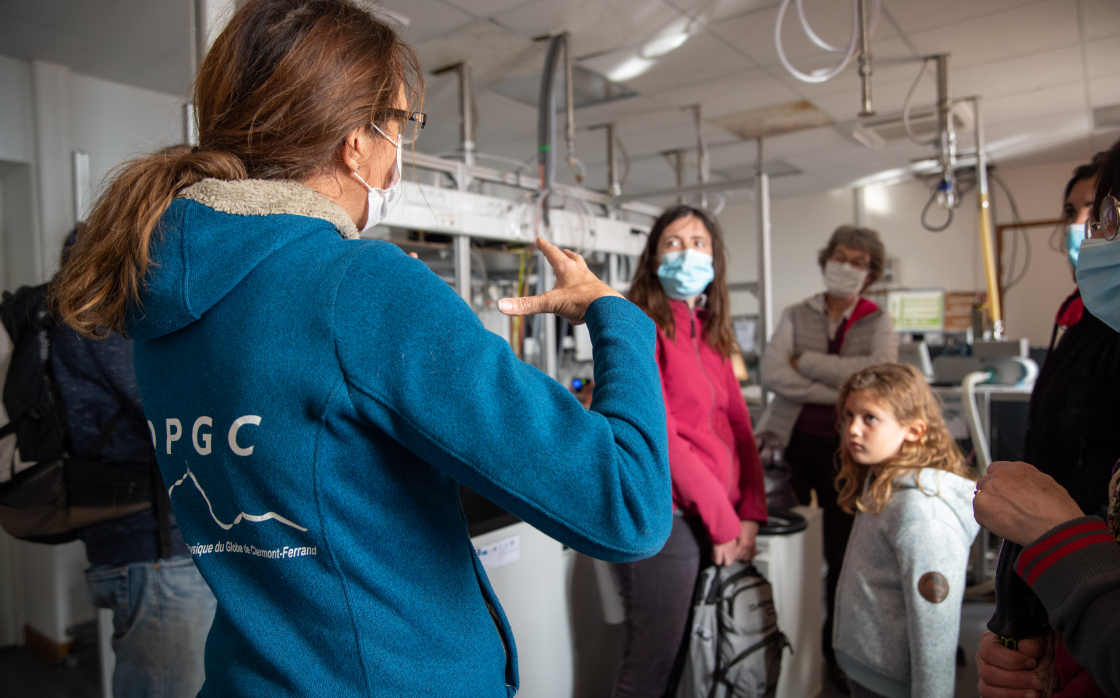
x: 105, y: 271
x: 280, y: 89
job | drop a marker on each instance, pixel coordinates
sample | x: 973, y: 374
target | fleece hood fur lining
x: 261, y: 197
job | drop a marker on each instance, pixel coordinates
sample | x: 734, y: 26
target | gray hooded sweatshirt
x: 898, y: 602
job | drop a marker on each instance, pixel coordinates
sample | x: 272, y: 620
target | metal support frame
x: 466, y: 107
x: 461, y: 247
x: 946, y: 136
x: 765, y: 261
x: 614, y: 187
x: 865, y: 69
x: 703, y: 158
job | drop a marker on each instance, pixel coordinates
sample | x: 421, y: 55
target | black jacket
x: 1073, y: 427
x: 96, y: 379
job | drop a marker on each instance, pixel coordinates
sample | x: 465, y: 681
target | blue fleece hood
x: 190, y: 273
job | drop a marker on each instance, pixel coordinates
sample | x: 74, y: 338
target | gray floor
x: 974, y: 619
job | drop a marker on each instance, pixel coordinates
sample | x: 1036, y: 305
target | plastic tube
x: 849, y: 52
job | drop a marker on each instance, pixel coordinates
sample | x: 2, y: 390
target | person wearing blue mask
x: 816, y: 346
x: 719, y: 499
x: 1073, y: 397
x: 1070, y: 557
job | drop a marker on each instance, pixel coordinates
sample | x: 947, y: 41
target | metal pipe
x: 461, y: 248
x: 546, y: 124
x: 702, y: 158
x: 570, y: 102
x: 614, y: 188
x: 946, y: 138
x: 680, y: 163
x: 865, y: 69
x: 466, y: 107
x: 987, y: 246
x: 765, y: 260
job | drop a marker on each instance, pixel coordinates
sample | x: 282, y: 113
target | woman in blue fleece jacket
x: 315, y: 399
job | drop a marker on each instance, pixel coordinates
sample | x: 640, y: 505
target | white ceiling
x: 1040, y: 67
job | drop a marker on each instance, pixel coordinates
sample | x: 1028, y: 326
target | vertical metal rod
x: 946, y: 139
x: 569, y: 102
x: 197, y: 35
x: 865, y: 69
x: 680, y: 174
x: 613, y: 186
x: 702, y: 158
x: 612, y: 270
x: 859, y: 207
x: 987, y: 246
x: 461, y: 248
x: 548, y: 341
x: 466, y: 110
x: 765, y: 266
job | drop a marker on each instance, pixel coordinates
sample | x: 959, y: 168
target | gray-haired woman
x: 818, y: 343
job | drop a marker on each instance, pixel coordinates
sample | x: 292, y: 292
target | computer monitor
x: 917, y: 310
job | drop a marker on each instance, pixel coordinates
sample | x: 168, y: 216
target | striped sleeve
x: 1074, y: 569
x: 1060, y: 543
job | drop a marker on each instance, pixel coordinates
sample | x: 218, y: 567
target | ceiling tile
x: 721, y: 9
x: 696, y: 59
x: 1023, y: 74
x: 1103, y: 57
x: 919, y: 16
x: 732, y: 94
x: 1105, y: 91
x: 1043, y: 26
x: 1101, y: 17
x: 427, y: 18
x: 485, y: 8
x: 1051, y: 101
x: 596, y: 25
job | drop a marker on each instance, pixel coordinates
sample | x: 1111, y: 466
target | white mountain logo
x: 256, y: 518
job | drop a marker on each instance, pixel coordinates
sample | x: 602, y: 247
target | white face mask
x: 378, y: 200
x: 843, y: 280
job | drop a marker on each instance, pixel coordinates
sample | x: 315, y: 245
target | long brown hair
x: 277, y: 94
x: 909, y: 398
x: 646, y: 291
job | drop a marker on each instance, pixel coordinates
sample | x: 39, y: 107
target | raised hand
x: 576, y: 288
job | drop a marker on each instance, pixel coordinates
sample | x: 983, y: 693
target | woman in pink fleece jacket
x: 718, y: 494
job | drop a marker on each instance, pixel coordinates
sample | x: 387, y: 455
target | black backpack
x: 47, y: 492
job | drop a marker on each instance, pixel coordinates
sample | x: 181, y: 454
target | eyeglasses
x: 409, y: 124
x: 1109, y: 224
x: 862, y: 262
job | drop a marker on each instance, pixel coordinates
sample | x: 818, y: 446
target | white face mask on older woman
x: 842, y: 279
x: 379, y: 199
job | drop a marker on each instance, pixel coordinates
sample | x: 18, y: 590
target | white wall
x: 46, y: 112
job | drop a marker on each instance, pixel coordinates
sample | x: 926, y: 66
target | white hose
x: 822, y: 75
x: 972, y: 417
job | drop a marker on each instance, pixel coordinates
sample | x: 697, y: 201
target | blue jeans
x: 161, y: 615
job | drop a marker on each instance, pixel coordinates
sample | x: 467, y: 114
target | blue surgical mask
x: 1098, y: 277
x: 685, y: 274
x: 1075, y: 235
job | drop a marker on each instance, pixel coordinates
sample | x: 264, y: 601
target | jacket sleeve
x: 778, y: 375
x: 695, y: 488
x: 931, y: 548
x: 1074, y: 569
x: 752, y: 488
x: 833, y: 370
x: 418, y: 364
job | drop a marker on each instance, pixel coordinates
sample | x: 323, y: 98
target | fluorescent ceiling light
x: 629, y: 69
x: 655, y: 48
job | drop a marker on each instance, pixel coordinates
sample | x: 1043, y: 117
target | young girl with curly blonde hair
x: 899, y: 596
